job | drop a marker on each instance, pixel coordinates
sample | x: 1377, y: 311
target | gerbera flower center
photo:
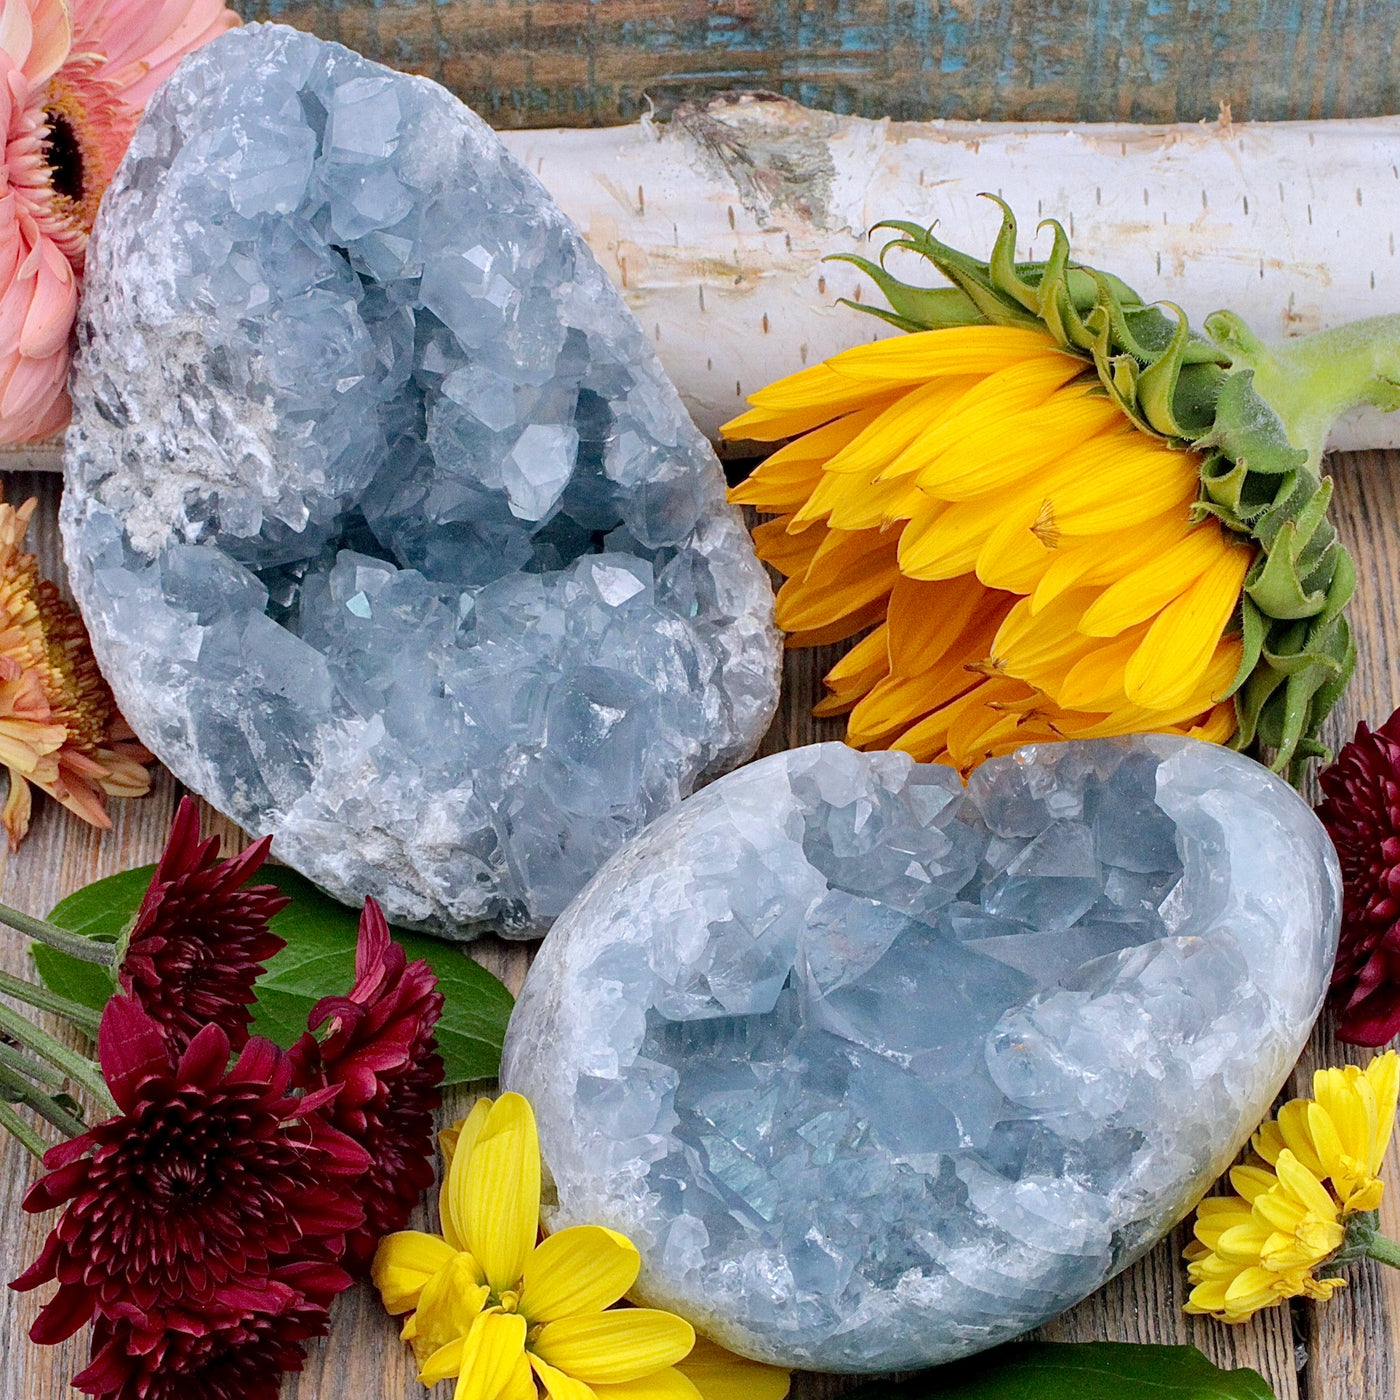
x: 87, y: 129
x: 65, y: 157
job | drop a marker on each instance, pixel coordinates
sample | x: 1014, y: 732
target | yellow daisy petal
x: 720, y: 1375
x: 449, y: 1305
x: 1145, y: 591
x: 1179, y: 644
x: 490, y: 1357
x: 521, y: 1385
x: 1384, y: 1075
x: 443, y: 1363
x: 668, y: 1384
x: 581, y: 1270
x: 403, y: 1265
x: 610, y: 1347
x: 457, y: 1143
x: 557, y: 1385
x: 500, y: 1201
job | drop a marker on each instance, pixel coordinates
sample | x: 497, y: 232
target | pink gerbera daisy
x: 76, y: 80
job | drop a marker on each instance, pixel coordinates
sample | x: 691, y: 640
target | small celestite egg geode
x: 878, y: 1072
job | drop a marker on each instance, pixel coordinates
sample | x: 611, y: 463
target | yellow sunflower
x: 1050, y: 511
x: 1026, y: 556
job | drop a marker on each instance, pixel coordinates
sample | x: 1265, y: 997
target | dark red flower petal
x: 1361, y: 810
x: 379, y: 1050
x: 131, y: 1049
x: 200, y: 940
x: 239, y: 1358
x: 211, y: 1182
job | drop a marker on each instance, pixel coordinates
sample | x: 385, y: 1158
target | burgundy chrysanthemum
x: 210, y: 1180
x: 241, y: 1358
x: 381, y: 1053
x: 1361, y: 811
x: 200, y: 941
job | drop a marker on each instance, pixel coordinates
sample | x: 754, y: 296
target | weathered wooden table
x: 579, y: 62
x: 1342, y: 1350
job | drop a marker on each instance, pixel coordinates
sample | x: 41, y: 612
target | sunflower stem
x: 1310, y: 380
x: 84, y: 1017
x: 12, y: 1082
x: 17, y: 1127
x: 77, y: 1067
x: 41, y: 931
x: 1385, y: 1251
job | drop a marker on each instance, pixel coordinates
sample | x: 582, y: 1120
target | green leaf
x: 1077, y: 1371
x: 319, y: 960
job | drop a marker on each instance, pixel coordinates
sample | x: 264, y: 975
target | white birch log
x: 715, y: 224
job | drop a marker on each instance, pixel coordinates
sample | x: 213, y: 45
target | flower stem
x: 84, y: 1017
x: 1311, y: 379
x: 84, y: 949
x: 14, y: 1124
x: 1384, y: 1250
x: 12, y: 1082
x: 77, y: 1067
x: 34, y: 1069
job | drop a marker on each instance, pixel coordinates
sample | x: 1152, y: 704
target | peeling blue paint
x: 1067, y: 60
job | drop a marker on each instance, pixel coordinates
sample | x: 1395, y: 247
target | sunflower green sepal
x: 1259, y: 414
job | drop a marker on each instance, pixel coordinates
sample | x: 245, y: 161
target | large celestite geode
x: 878, y: 1072
x: 391, y: 535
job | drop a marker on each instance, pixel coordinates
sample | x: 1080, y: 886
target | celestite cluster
x: 391, y: 535
x: 878, y: 1072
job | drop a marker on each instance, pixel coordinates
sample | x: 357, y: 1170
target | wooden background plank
x: 1339, y: 1351
x: 526, y: 63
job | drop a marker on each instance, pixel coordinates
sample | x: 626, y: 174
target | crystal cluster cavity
x: 878, y: 1072
x: 391, y: 535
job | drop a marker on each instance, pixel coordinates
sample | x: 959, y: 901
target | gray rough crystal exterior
x: 878, y: 1072
x: 391, y: 535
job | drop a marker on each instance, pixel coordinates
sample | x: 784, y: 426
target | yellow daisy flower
x: 1341, y: 1134
x: 1055, y: 512
x: 1262, y: 1246
x: 512, y: 1315
x: 1308, y: 1204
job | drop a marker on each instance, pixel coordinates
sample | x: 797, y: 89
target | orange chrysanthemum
x: 59, y: 726
x: 1026, y: 556
x: 75, y: 81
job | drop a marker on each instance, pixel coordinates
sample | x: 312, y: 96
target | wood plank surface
x: 524, y: 63
x: 1343, y: 1350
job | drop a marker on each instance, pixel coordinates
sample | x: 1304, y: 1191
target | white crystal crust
x: 878, y: 1072
x: 390, y: 534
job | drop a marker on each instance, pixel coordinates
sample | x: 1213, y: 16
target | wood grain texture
x: 524, y: 63
x: 1343, y: 1350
